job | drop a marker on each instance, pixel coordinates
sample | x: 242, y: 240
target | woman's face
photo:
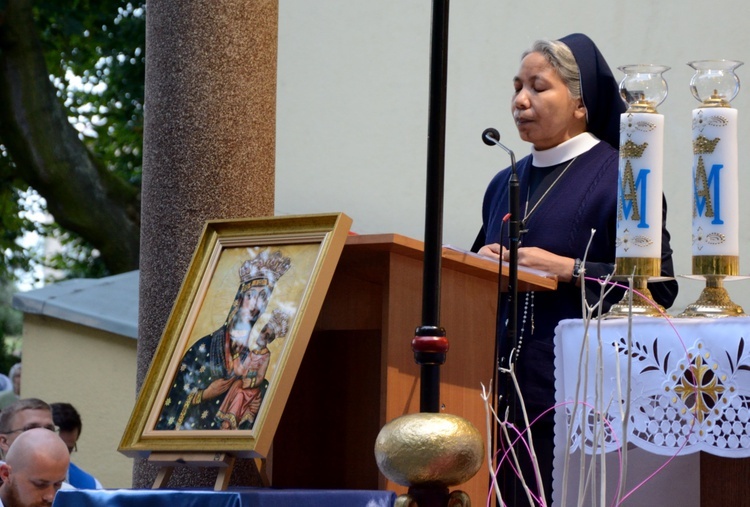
x: 544, y: 112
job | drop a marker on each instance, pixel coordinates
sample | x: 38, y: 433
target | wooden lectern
x: 359, y: 372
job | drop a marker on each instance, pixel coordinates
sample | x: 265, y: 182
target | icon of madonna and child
x: 221, y: 379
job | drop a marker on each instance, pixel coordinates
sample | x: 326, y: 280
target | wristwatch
x: 576, y: 268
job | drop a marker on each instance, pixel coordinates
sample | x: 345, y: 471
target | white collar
x: 564, y: 151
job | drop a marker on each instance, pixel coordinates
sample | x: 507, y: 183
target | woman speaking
x: 567, y: 104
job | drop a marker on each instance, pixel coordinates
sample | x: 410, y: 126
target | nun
x: 567, y: 104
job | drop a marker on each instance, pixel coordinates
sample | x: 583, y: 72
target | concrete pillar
x: 209, y: 146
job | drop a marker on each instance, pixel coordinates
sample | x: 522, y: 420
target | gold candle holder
x: 643, y: 269
x: 715, y: 226
x: 714, y: 300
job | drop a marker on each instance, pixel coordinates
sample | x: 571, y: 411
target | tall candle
x: 639, y: 192
x: 715, y: 183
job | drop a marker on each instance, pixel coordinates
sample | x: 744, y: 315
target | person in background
x: 21, y: 416
x: 34, y: 469
x: 567, y: 104
x: 7, y: 396
x: 15, y: 377
x: 68, y: 420
x: 12, y: 394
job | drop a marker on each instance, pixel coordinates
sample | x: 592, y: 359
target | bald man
x: 34, y: 469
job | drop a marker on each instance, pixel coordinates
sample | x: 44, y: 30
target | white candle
x: 715, y: 182
x: 639, y: 188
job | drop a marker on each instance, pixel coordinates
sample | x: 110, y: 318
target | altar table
x: 666, y: 386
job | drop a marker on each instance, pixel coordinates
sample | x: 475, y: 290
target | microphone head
x: 490, y: 136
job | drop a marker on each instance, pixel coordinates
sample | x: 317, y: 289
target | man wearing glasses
x: 21, y: 416
x: 68, y: 420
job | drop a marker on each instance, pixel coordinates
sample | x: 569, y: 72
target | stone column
x: 208, y: 151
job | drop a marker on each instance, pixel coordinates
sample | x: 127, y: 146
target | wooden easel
x: 222, y: 460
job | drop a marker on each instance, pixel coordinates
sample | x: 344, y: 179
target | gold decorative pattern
x: 712, y: 121
x: 712, y: 238
x: 629, y: 192
x: 726, y: 265
x: 629, y: 149
x: 638, y: 266
x: 702, y: 189
x: 699, y: 387
x: 642, y: 125
x: 704, y: 146
x: 625, y: 241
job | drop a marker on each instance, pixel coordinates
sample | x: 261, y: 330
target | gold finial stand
x: 430, y: 452
x: 643, y: 304
x: 643, y: 269
x: 714, y: 301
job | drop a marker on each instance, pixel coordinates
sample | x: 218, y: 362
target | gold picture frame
x: 233, y: 343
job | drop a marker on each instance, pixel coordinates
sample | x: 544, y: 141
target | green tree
x: 11, y: 325
x: 71, y: 118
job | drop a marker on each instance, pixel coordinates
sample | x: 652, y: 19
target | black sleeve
x: 665, y: 293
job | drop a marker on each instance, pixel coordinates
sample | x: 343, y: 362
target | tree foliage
x: 71, y: 131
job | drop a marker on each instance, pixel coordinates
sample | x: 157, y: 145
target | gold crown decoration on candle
x: 704, y: 146
x: 629, y: 149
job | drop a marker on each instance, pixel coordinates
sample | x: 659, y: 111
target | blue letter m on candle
x: 633, y: 193
x: 707, y: 188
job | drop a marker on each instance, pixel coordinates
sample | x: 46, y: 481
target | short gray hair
x: 7, y: 414
x: 561, y: 58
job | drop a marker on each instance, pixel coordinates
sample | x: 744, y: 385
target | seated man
x: 68, y: 420
x: 21, y: 416
x: 34, y: 469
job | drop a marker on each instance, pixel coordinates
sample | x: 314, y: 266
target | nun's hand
x: 544, y: 260
x: 493, y: 251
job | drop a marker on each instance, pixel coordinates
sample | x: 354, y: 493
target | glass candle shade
x: 715, y: 83
x: 643, y: 87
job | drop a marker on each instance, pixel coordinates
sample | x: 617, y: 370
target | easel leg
x: 225, y: 473
x: 162, y: 478
x: 260, y: 464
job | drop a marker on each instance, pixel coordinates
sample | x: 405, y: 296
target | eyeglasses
x: 31, y: 427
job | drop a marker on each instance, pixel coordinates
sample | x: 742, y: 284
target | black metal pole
x: 430, y: 345
x: 507, y: 360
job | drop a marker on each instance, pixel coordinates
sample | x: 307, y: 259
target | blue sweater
x: 584, y: 198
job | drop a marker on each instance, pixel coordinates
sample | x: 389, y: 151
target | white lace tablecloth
x: 689, y: 385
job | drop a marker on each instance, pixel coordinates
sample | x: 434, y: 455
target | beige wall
x: 95, y: 372
x: 352, y: 111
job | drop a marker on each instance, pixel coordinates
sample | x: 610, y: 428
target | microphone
x: 490, y: 136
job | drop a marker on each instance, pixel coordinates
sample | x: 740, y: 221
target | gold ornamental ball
x: 429, y: 449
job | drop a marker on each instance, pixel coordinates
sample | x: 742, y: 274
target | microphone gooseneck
x: 506, y: 349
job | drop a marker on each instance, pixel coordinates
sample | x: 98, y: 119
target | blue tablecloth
x: 241, y: 497
x: 147, y: 497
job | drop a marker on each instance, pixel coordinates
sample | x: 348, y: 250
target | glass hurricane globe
x: 715, y: 82
x: 643, y: 87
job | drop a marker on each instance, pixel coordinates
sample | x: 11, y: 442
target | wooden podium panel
x: 359, y: 372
